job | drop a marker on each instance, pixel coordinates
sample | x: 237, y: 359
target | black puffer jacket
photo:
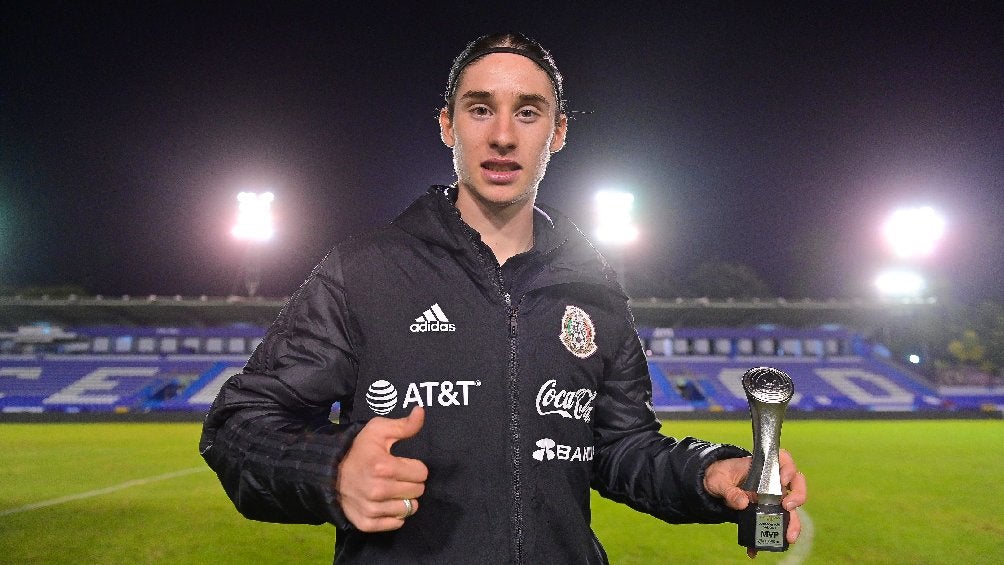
x: 533, y: 379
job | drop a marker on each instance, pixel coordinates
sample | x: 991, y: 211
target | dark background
x: 774, y: 135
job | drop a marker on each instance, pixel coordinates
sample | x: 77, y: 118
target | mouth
x: 500, y: 171
x: 501, y: 165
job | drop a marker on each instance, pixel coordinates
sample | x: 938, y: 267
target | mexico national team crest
x: 577, y: 332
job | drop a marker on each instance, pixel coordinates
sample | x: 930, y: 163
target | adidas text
x: 432, y: 320
x: 425, y: 326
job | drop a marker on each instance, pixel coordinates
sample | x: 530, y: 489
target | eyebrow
x: 523, y: 98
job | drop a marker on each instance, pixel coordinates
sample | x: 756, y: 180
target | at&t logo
x: 382, y: 396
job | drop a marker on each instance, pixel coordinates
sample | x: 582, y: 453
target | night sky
x: 775, y: 136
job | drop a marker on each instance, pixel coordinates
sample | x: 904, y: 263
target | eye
x: 479, y: 111
x: 528, y: 114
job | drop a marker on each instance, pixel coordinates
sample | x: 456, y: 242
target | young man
x: 485, y: 362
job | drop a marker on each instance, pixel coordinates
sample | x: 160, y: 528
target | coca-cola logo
x: 573, y: 404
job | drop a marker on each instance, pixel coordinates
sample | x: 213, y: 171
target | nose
x: 503, y: 135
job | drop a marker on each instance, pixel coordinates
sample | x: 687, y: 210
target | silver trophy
x: 762, y: 525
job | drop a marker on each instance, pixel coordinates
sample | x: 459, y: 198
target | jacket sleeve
x: 638, y: 466
x: 268, y: 435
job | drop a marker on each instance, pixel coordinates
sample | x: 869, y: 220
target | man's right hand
x: 372, y: 484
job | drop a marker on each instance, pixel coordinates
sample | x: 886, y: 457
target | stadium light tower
x: 254, y: 216
x: 899, y: 283
x: 253, y: 227
x: 913, y: 233
x: 615, y: 226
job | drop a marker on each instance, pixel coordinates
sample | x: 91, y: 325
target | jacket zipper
x: 517, y: 502
x: 516, y: 518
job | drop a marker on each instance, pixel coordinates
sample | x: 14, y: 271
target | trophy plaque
x: 762, y: 525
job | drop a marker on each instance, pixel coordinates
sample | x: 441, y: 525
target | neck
x: 507, y: 229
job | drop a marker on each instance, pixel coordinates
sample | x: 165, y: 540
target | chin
x: 508, y: 197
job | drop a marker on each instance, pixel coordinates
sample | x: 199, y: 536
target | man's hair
x: 509, y: 42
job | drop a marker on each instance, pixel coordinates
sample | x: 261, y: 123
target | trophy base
x: 762, y: 527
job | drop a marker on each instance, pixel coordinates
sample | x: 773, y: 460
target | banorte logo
x: 546, y: 450
x: 382, y: 397
x: 550, y: 449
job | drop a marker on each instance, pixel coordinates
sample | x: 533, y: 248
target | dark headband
x: 545, y: 65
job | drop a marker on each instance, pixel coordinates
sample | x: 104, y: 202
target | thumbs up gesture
x: 373, y: 485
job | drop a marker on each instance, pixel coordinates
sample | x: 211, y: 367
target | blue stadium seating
x: 820, y: 384
x: 121, y: 369
x: 85, y: 383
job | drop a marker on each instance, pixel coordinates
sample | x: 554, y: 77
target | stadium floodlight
x: 914, y: 232
x: 896, y: 283
x: 254, y: 226
x: 254, y: 216
x: 613, y: 217
x: 615, y: 227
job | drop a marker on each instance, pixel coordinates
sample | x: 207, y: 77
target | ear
x: 446, y: 128
x: 558, y: 140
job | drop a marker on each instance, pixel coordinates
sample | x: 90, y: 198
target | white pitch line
x: 101, y: 491
x: 801, y: 550
x: 798, y: 553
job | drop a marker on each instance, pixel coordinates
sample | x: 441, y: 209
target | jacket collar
x: 567, y: 254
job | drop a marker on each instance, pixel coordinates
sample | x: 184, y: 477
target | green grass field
x: 880, y: 492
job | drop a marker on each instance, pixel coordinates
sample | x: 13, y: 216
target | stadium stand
x: 128, y: 368
x: 120, y: 383
x: 833, y: 369
x: 119, y: 368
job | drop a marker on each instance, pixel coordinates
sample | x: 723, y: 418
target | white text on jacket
x: 577, y: 404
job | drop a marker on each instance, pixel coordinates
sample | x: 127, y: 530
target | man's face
x: 503, y: 130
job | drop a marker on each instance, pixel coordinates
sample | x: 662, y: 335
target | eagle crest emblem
x: 578, y: 334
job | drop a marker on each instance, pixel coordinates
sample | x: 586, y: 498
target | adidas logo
x: 432, y: 320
